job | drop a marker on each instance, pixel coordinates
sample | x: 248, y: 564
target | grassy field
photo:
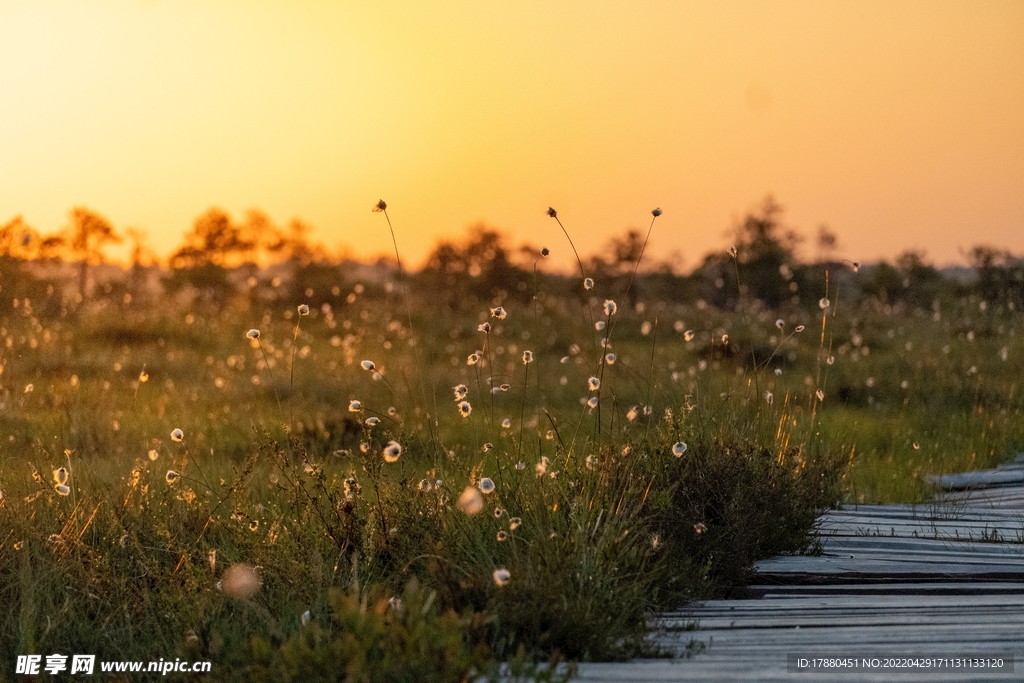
x: 517, y: 482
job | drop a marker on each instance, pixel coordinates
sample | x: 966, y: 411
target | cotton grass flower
x: 599, y: 325
x: 527, y: 357
x: 306, y: 618
x: 354, y: 406
x: 588, y: 283
x: 502, y: 536
x: 506, y: 423
x: 393, y: 451
x: 501, y: 577
x: 470, y: 501
x: 484, y: 327
x: 799, y: 328
x: 541, y: 467
x: 678, y: 448
x: 253, y: 334
x: 592, y: 402
x: 514, y: 523
x: 610, y: 358
x: 368, y: 365
x: 823, y: 303
x: 303, y: 309
x: 552, y: 213
x: 656, y: 212
x: 424, y: 486
x: 465, y: 408
x: 460, y: 392
x: 498, y: 313
x: 780, y: 323
x: 593, y: 384
x: 688, y: 335
x: 62, y: 489
x: 240, y: 581
x: 381, y: 205
x: 769, y: 397
x: 372, y: 421
x: 820, y: 394
x: 177, y: 435
x: 632, y: 413
x: 486, y: 485
x: 473, y: 358
x: 610, y: 307
x: 60, y: 475
x: 171, y: 476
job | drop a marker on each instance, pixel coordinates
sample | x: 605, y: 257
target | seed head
x: 60, y: 475
x: 594, y: 383
x: 823, y: 303
x: 501, y: 577
x: 304, y: 309
x: 499, y: 313
x: 177, y: 435
x: 545, y: 251
x: 171, y: 476
x: 656, y: 212
x: 732, y: 252
x: 689, y: 335
x: 588, y: 283
x: 393, y: 451
x: 424, y: 485
x: 368, y: 365
x: 470, y: 501
x: 143, y: 376
x: 610, y: 358
x: 798, y: 328
x: 541, y: 467
x: 473, y: 359
x: 253, y: 334
x: 769, y: 397
x: 372, y: 421
x: 354, y: 406
x: 464, y: 408
x: 487, y: 447
x: 820, y: 394
x: 460, y: 392
x: 527, y: 357
x: 610, y: 307
x: 486, y: 485
x: 506, y: 423
x: 592, y: 402
x: 381, y: 205
x: 484, y: 327
x: 306, y: 618
x: 62, y: 489
x: 678, y: 449
x: 780, y: 323
x: 502, y: 535
x: 552, y: 212
x: 514, y: 522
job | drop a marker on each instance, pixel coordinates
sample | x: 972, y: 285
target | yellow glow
x: 898, y: 124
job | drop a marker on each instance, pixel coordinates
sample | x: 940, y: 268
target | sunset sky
x: 898, y: 124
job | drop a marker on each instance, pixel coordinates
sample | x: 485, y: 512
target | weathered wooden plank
x: 768, y: 592
x: 966, y: 480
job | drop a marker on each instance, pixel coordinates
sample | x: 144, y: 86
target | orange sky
x: 898, y: 124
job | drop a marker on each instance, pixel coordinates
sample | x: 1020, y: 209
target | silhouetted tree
x: 86, y: 236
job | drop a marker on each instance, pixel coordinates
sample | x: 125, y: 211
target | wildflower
x: 541, y: 467
x: 499, y: 313
x: 506, y: 423
x: 171, y: 476
x: 381, y: 205
x: 484, y: 327
x: 820, y: 394
x: 780, y: 323
x: 656, y: 212
x: 464, y: 408
x: 368, y: 365
x: 610, y: 358
x: 354, y: 406
x: 588, y: 283
x: 823, y: 303
x: 253, y: 334
x: 306, y: 618
x: 552, y: 212
x: 688, y: 335
x: 592, y: 402
x: 372, y: 421
x: 60, y: 475
x: 392, y: 451
x: 486, y: 485
x: 610, y: 307
x: 545, y: 251
x: 424, y: 485
x: 502, y: 536
x: 460, y: 391
x: 514, y: 522
x: 470, y: 501
x: 177, y: 435
x: 304, y: 309
x: 527, y: 357
x: 594, y: 383
x: 473, y: 359
x: 62, y: 489
x: 678, y: 449
x: 502, y: 576
x: 240, y: 581
x: 769, y: 397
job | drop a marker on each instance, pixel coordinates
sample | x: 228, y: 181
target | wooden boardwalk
x: 941, y: 581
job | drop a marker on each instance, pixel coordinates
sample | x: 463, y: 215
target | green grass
x: 615, y: 527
